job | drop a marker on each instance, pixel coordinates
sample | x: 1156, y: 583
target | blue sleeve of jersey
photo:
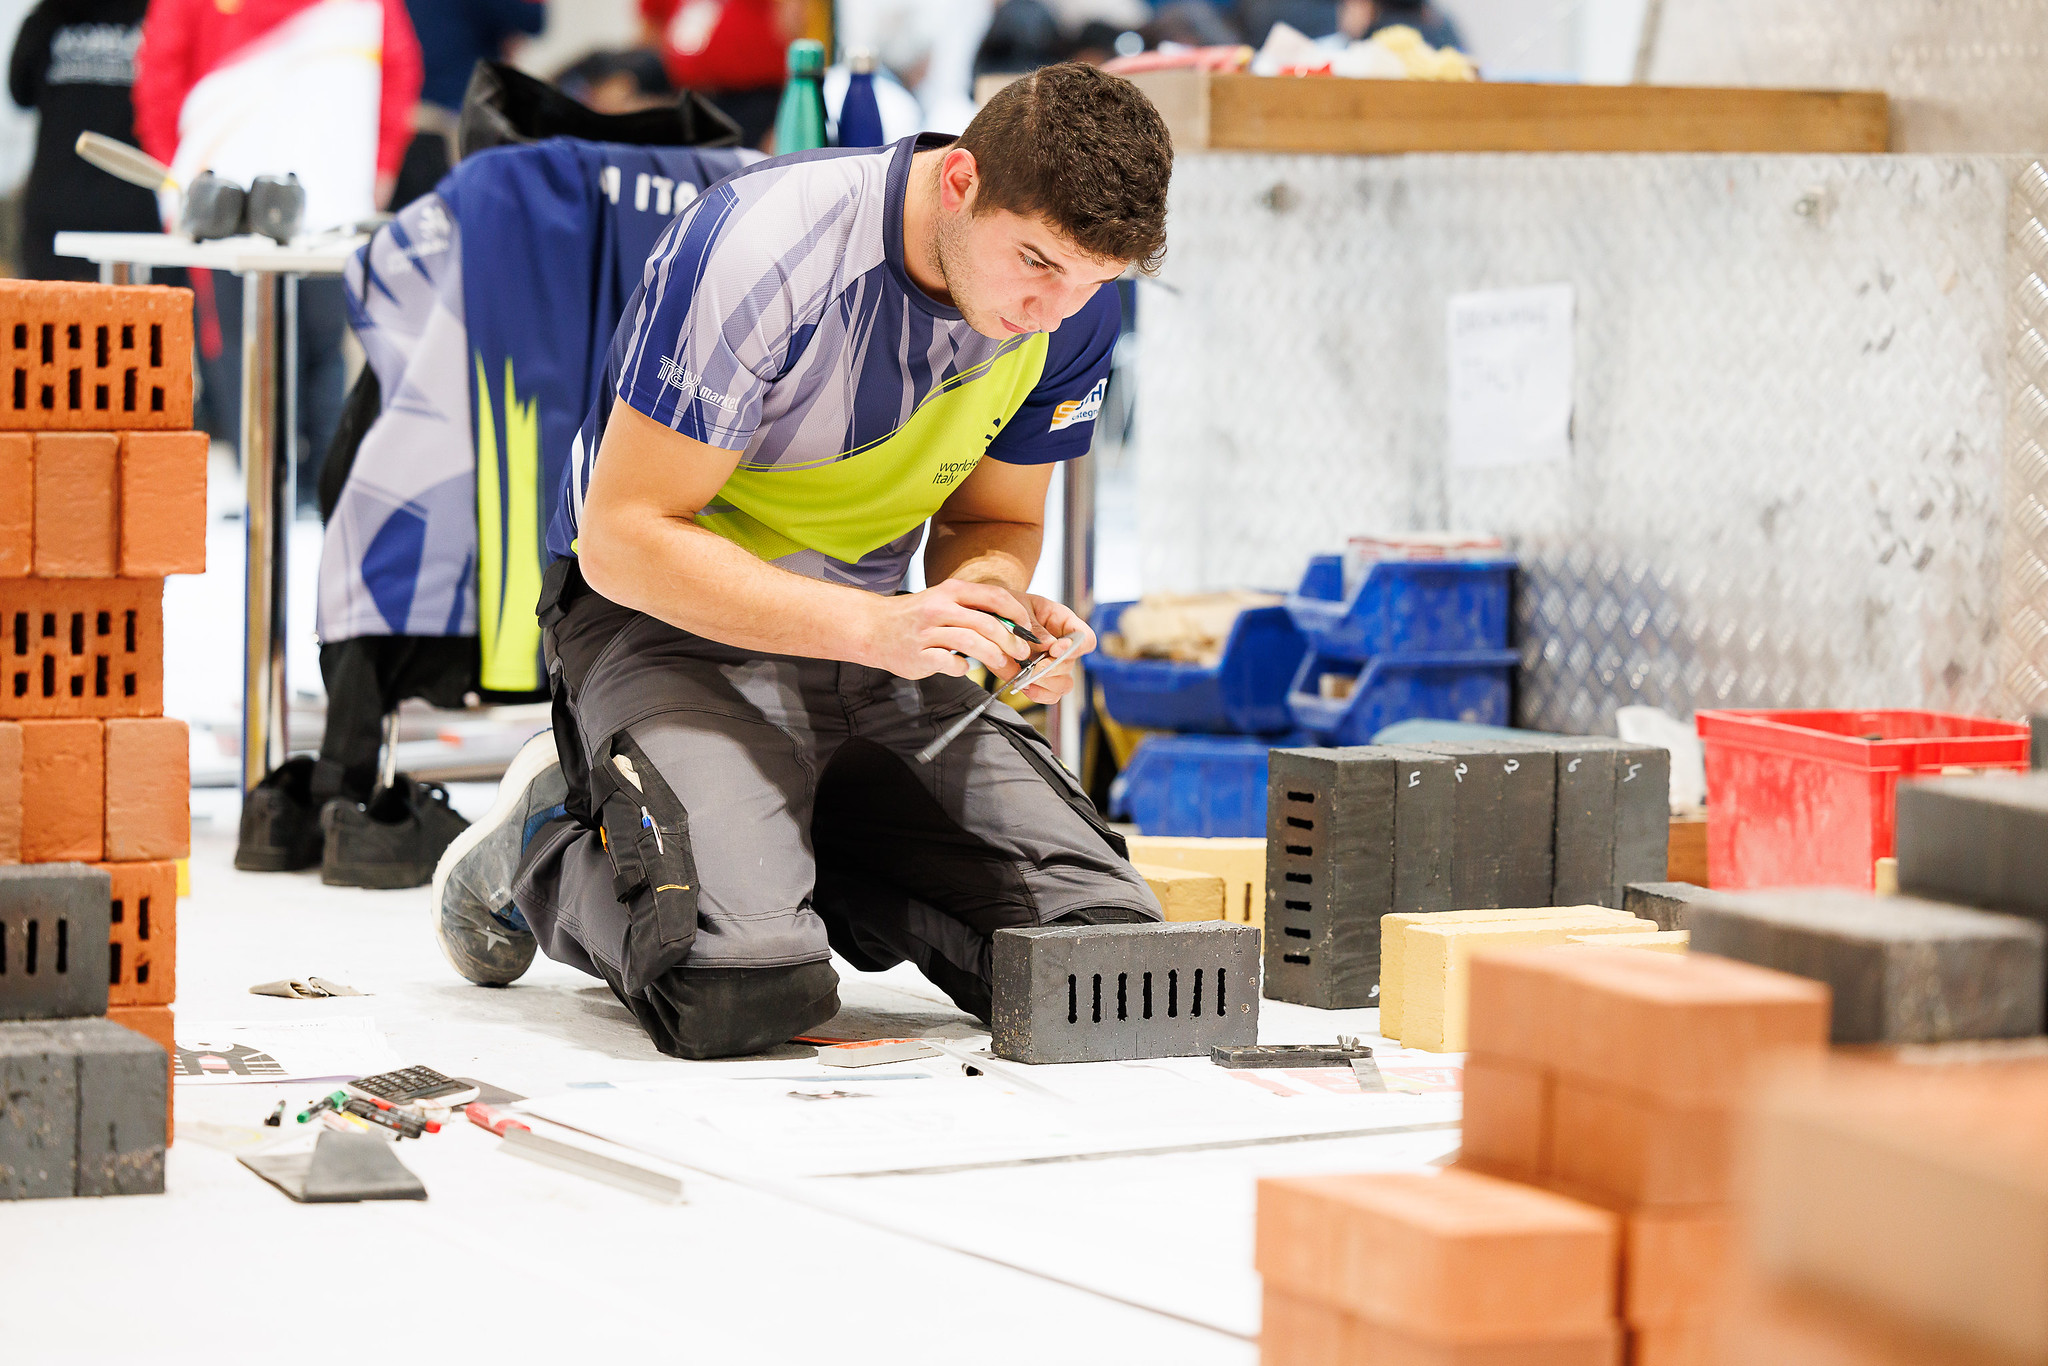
x: 1057, y: 422
x: 700, y: 346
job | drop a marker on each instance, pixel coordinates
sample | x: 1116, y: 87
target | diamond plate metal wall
x: 1964, y: 75
x: 1787, y: 482
x: 2024, y: 641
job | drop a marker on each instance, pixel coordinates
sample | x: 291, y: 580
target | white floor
x: 521, y: 1263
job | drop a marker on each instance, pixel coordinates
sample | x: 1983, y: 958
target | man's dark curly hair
x: 1083, y: 150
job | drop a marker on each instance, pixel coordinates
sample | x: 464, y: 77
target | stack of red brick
x: 102, y: 494
x: 1594, y: 1198
x: 1621, y: 1078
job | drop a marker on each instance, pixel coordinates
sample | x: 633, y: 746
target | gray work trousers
x: 811, y: 825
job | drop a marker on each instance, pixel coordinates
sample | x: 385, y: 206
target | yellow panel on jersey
x: 868, y: 498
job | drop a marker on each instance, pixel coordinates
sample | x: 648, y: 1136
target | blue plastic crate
x: 1404, y: 607
x: 1245, y: 694
x: 1471, y: 686
x: 1196, y: 785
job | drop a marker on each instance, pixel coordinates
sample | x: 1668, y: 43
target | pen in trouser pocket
x: 1035, y: 672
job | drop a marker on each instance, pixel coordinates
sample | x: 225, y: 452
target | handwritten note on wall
x: 1511, y: 369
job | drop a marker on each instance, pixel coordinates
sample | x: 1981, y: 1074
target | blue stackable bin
x: 1244, y: 694
x: 1466, y: 685
x: 1404, y: 607
x: 1207, y: 785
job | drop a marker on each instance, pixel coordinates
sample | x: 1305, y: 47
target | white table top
x: 320, y: 254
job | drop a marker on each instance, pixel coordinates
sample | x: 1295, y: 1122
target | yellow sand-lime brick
x: 1239, y: 861
x: 1183, y: 893
x: 1436, y: 971
x: 1661, y: 941
x: 1393, y: 930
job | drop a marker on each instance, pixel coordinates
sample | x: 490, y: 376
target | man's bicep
x: 999, y: 492
x: 645, y: 468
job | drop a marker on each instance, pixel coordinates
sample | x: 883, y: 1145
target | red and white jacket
x: 321, y: 88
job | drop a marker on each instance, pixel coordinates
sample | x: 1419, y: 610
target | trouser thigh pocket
x: 646, y: 833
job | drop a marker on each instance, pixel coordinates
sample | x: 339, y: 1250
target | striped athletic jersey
x: 776, y: 318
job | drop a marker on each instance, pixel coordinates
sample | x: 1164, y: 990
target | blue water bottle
x: 860, y: 118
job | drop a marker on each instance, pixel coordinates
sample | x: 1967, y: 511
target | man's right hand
x: 914, y: 635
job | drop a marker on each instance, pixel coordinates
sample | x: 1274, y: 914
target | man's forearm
x: 1004, y: 553
x: 699, y: 582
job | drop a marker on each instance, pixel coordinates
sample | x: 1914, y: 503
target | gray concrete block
x: 38, y: 1113
x: 53, y: 941
x: 1105, y: 993
x: 123, y: 1079
x: 1425, y: 830
x: 82, y: 1107
x: 1506, y: 824
x: 1901, y: 970
x: 1664, y: 902
x: 1582, y: 858
x: 1352, y: 834
x: 1976, y: 842
x: 1613, y: 821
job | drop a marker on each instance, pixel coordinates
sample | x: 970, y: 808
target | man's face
x: 1009, y: 274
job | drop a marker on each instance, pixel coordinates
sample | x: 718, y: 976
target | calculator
x: 414, y: 1086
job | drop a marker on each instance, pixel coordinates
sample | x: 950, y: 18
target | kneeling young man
x: 827, y: 351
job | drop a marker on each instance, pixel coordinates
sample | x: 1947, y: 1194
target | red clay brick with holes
x: 63, y: 791
x: 78, y: 489
x: 81, y: 647
x: 79, y: 357
x: 17, y: 505
x: 163, y: 504
x: 149, y: 788
x: 10, y: 792
x: 142, y: 947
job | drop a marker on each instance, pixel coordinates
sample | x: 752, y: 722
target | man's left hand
x: 1054, y: 621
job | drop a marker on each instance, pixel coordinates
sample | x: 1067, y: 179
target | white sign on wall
x: 1511, y: 364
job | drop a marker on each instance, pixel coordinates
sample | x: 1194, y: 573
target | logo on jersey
x: 679, y: 376
x: 1078, y: 410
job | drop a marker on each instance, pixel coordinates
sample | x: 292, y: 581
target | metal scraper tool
x: 1038, y: 669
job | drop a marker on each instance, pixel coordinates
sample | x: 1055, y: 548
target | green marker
x: 334, y: 1100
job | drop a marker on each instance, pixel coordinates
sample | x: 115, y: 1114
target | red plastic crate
x: 1807, y: 798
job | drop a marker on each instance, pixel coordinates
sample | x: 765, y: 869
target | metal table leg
x: 267, y: 341
x: 1068, y: 722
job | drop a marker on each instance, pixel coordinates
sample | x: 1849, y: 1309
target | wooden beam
x: 1206, y: 111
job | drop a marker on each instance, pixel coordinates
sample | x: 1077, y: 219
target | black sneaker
x: 280, y: 822
x: 392, y: 841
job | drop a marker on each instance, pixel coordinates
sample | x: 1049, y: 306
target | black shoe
x: 280, y: 821
x: 393, y: 841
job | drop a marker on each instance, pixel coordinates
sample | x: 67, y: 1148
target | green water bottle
x: 800, y: 119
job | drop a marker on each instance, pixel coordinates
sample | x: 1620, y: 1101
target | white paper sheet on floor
x: 913, y: 1120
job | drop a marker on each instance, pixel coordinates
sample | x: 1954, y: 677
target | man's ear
x: 958, y: 179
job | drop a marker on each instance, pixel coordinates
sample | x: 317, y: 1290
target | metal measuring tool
x: 1031, y: 673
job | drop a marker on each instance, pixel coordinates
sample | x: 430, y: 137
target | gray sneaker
x: 481, y: 931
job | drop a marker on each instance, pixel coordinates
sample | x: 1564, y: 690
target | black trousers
x: 805, y: 824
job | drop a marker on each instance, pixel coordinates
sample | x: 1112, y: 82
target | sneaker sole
x: 530, y: 762
x: 273, y: 862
